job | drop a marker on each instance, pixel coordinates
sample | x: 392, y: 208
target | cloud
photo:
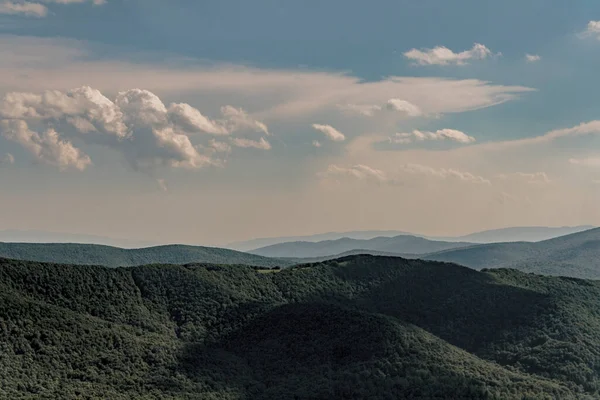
x: 443, y: 56
x: 403, y: 175
x: 359, y: 172
x: 402, y: 107
x: 535, y: 178
x: 35, y: 64
x: 47, y: 147
x: 261, y: 144
x: 26, y: 9
x: 316, y: 143
x: 137, y: 124
x: 442, y: 134
x: 531, y: 58
x: 445, y: 173
x: 592, y: 30
x: 162, y: 184
x: 7, y: 159
x: 588, y: 162
x: 238, y: 119
x: 330, y: 132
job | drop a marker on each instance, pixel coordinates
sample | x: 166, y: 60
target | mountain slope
x: 575, y: 255
x: 520, y: 234
x: 356, y: 327
x: 398, y: 245
x: 90, y: 254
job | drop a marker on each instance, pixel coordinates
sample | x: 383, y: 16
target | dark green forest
x: 94, y: 254
x: 354, y: 328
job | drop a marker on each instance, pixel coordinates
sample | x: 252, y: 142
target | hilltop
x: 91, y: 254
x: 356, y: 327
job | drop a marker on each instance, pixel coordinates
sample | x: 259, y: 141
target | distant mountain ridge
x: 403, y: 244
x: 91, y: 254
x: 511, y: 234
x: 36, y: 236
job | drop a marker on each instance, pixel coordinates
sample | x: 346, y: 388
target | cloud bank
x: 137, y: 124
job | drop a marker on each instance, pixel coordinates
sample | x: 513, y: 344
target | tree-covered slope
x: 576, y: 255
x: 358, y: 327
x: 91, y: 254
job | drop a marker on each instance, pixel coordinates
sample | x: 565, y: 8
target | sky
x: 208, y: 122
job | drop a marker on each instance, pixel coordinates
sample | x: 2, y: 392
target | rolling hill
x: 357, y: 327
x: 576, y: 255
x: 402, y: 244
x: 90, y: 254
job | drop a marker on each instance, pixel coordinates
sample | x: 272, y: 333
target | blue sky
x: 432, y: 141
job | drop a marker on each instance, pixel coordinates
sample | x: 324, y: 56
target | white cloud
x: 261, y: 144
x: 588, y: 162
x: 47, y: 147
x: 238, y: 119
x: 7, y: 159
x: 531, y: 58
x: 330, y: 132
x: 441, y: 55
x: 403, y: 107
x: 316, y: 143
x: 193, y: 120
x: 592, y: 30
x: 442, y: 134
x: 25, y: 8
x: 137, y: 124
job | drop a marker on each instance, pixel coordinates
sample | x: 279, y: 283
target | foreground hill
x: 354, y: 328
x: 576, y: 255
x: 402, y: 244
x: 91, y: 254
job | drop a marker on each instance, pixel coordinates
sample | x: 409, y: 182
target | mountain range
x: 355, y: 327
x: 512, y: 234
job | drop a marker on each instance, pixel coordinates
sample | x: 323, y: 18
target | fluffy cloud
x: 442, y: 134
x: 137, y: 123
x: 592, y: 30
x: 330, y: 132
x: 441, y: 55
x: 316, y: 143
x: 25, y: 8
x: 531, y: 58
x: 7, y: 159
x: 261, y: 144
x: 47, y: 147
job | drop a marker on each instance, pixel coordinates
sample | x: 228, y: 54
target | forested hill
x: 92, y: 254
x: 354, y: 328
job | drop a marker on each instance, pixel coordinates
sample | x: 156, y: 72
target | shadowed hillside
x: 357, y: 327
